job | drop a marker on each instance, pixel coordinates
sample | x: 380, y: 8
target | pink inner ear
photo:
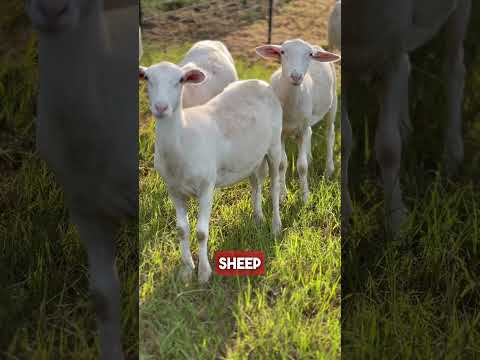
x: 269, y: 51
x: 194, y: 76
x: 325, y: 56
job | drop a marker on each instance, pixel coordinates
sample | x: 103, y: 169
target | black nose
x: 53, y: 9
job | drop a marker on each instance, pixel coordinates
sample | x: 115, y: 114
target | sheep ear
x: 269, y: 51
x: 324, y: 56
x: 142, y: 73
x: 193, y: 76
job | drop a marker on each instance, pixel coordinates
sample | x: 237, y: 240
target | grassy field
x: 45, y: 310
x: 293, y: 312
x: 415, y: 297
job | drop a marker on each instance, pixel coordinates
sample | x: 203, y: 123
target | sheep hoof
x: 305, y: 197
x: 277, y: 229
x: 259, y: 218
x: 186, y: 273
x: 452, y: 165
x: 329, y: 171
x: 397, y: 219
x: 204, y: 273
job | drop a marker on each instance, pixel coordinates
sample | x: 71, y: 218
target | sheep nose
x: 161, y: 108
x: 296, y: 77
x: 53, y: 8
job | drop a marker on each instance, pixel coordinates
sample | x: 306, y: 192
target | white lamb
x: 335, y: 27
x: 307, y: 91
x: 213, y: 145
x: 214, y: 59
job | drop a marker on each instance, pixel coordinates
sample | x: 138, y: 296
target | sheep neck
x: 292, y: 93
x: 73, y: 56
x: 168, y: 130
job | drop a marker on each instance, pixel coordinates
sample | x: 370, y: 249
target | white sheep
x: 214, y: 59
x: 307, y: 91
x: 386, y: 59
x: 213, y: 145
x: 140, y: 45
x: 335, y: 27
x: 85, y: 61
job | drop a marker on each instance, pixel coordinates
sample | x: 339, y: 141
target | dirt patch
x: 204, y: 20
x: 242, y: 25
x: 306, y: 19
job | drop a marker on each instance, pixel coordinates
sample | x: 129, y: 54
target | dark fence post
x: 270, y: 15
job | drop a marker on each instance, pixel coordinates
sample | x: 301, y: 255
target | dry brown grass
x: 237, y: 23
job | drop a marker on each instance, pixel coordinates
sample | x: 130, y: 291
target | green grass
x: 415, y: 297
x: 45, y: 309
x: 293, y: 312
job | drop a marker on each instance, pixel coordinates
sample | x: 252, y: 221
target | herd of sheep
x: 213, y: 130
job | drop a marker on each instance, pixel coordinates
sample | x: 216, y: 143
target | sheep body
x: 218, y: 144
x: 224, y: 145
x: 335, y: 27
x: 383, y: 56
x: 307, y: 91
x: 216, y: 61
x: 308, y: 103
x: 87, y: 133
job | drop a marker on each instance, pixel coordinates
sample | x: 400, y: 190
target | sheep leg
x: 388, y: 142
x: 302, y: 162
x: 346, y: 151
x: 329, y: 166
x: 256, y: 180
x: 205, y: 210
x: 99, y: 239
x: 274, y: 159
x: 283, y: 172
x: 454, y: 86
x: 183, y: 235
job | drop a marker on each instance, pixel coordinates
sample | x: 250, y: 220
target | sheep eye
x: 181, y: 80
x: 282, y: 52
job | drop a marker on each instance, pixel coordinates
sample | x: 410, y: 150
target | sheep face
x: 295, y: 56
x: 52, y: 16
x: 165, y: 85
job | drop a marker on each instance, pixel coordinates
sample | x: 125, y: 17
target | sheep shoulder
x: 323, y: 87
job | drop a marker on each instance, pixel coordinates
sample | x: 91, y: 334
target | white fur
x: 213, y: 145
x: 217, y: 63
x: 335, y: 27
x: 304, y: 103
x: 140, y: 45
